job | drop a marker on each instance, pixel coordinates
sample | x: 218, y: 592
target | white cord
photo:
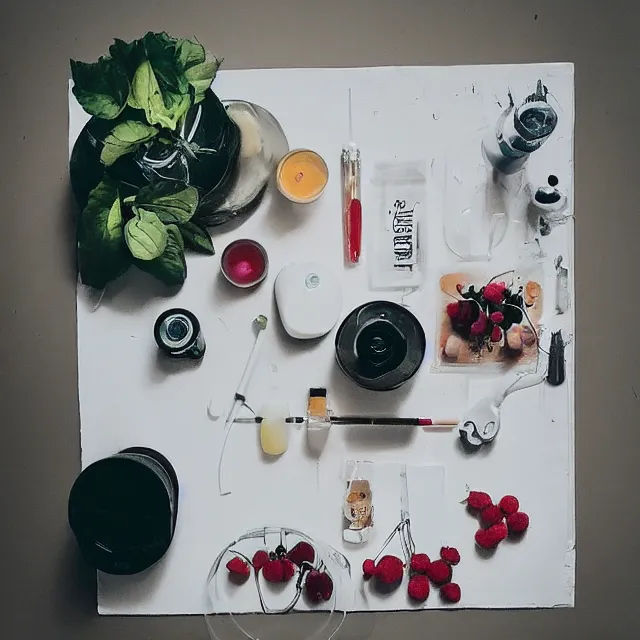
x: 261, y: 323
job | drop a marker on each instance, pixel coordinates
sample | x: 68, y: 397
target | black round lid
x: 121, y: 514
x: 176, y: 334
x: 380, y: 345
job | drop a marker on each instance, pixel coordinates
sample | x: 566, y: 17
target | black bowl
x: 380, y: 345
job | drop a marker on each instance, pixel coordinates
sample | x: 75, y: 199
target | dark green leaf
x: 145, y: 235
x: 172, y: 202
x: 170, y: 267
x: 161, y: 107
x: 128, y: 55
x: 197, y: 238
x: 102, y: 87
x: 161, y: 52
x: 102, y: 252
x: 125, y: 138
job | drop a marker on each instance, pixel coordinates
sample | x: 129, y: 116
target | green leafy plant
x: 158, y: 144
x: 150, y: 230
x: 158, y: 74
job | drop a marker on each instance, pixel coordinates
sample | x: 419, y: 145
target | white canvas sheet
x: 130, y: 396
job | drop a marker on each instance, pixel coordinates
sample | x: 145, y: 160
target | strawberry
x: 478, y: 500
x: 273, y: 571
x: 450, y: 555
x: 420, y: 562
x: 260, y: 558
x: 490, y: 538
x: 368, y: 569
x: 418, y: 588
x: 491, y: 515
x: 288, y: 569
x: 518, y: 522
x: 439, y: 572
x: 509, y: 505
x: 389, y: 569
x: 302, y: 552
x: 450, y: 592
x: 318, y: 586
x: 238, y: 567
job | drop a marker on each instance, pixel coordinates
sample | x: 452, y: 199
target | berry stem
x: 504, y: 273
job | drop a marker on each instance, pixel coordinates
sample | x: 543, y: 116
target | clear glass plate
x: 230, y: 604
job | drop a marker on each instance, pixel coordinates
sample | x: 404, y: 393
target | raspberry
x: 439, y: 572
x: 518, y: 522
x: 288, y: 569
x: 480, y: 325
x: 302, y: 552
x: 389, y: 569
x: 318, y: 586
x: 273, y: 571
x: 494, y: 292
x: 496, y: 334
x: 260, y: 558
x: 450, y: 592
x: 490, y: 538
x: 491, y: 515
x: 509, y: 505
x: 496, y: 317
x: 450, y: 555
x: 478, y: 500
x: 368, y: 569
x: 420, y: 562
x: 453, y: 310
x: 238, y: 567
x: 418, y: 588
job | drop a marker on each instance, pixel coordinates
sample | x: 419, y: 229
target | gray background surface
x: 46, y: 590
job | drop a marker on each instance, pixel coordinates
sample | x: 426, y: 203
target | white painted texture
x: 131, y: 396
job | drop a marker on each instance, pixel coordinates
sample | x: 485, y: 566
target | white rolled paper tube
x: 317, y: 433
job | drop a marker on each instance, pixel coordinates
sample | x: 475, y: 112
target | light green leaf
x: 145, y: 235
x: 102, y: 252
x: 132, y: 102
x: 125, y: 138
x: 201, y: 76
x: 197, y: 238
x: 172, y: 202
x: 101, y: 87
x: 189, y: 53
x: 170, y: 267
x: 163, y: 108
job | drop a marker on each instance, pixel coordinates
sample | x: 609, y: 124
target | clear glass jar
x: 263, y: 145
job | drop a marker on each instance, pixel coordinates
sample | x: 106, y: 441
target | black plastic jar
x: 177, y: 333
x: 380, y: 345
x: 123, y: 510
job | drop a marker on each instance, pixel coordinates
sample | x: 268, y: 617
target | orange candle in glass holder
x: 302, y: 176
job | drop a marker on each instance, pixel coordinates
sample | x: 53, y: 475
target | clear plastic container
x: 395, y: 243
x: 229, y: 603
x: 475, y: 216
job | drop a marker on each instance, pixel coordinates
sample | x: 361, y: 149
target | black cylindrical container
x: 380, y: 345
x: 177, y: 333
x: 123, y: 510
